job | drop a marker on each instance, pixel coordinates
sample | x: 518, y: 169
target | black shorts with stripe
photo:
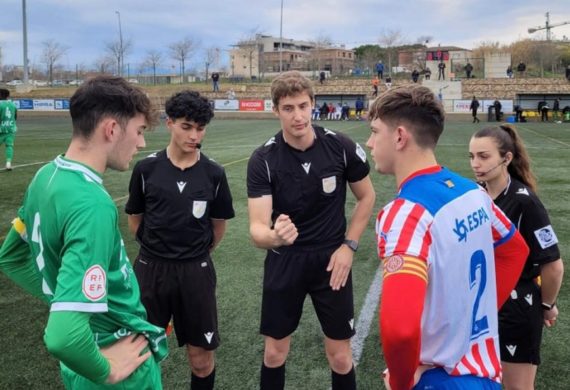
x: 185, y: 292
x: 290, y: 275
x: 520, y: 324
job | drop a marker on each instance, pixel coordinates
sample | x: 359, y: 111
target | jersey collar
x: 70, y: 165
x: 425, y: 171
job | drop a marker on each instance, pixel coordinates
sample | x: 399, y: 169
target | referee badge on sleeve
x: 546, y: 236
x: 199, y: 208
x: 329, y: 184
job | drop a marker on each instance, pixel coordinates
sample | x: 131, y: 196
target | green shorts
x: 146, y: 377
x: 7, y: 138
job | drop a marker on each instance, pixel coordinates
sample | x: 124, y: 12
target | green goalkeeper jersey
x: 7, y: 117
x: 72, y: 228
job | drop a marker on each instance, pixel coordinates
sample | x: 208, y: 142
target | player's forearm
x: 134, y: 221
x: 218, y: 231
x: 69, y: 338
x: 551, y: 275
x: 263, y: 236
x: 17, y: 263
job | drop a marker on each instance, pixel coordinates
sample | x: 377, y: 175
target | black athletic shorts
x: 185, y: 292
x: 520, y: 324
x: 289, y: 276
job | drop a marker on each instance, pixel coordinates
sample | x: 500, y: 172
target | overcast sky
x: 85, y: 26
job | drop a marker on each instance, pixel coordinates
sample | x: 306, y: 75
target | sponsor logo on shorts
x: 209, y: 336
x: 95, y: 283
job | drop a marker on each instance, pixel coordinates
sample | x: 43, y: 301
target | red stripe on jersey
x: 492, y: 352
x: 392, y: 213
x: 467, y: 365
x: 409, y: 229
x: 479, y: 360
x: 426, y: 243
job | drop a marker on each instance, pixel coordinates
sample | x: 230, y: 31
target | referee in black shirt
x: 179, y: 201
x: 296, y: 185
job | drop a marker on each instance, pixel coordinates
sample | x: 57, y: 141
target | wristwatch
x: 351, y: 244
x: 546, y: 306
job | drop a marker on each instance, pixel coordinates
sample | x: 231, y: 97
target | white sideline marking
x: 366, y: 316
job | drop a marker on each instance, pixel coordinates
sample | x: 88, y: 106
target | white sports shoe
x: 8, y: 166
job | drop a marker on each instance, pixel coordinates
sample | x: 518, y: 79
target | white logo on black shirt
x: 306, y: 167
x: 528, y: 298
x: 351, y: 323
x: 512, y: 349
x: 181, y: 185
x: 360, y: 153
x: 514, y: 294
x: 209, y: 336
x: 546, y: 237
x: 523, y: 191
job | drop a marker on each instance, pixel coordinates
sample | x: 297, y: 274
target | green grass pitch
x: 24, y: 363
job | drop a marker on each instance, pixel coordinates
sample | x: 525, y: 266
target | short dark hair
x: 290, y: 83
x: 415, y: 106
x: 108, y: 96
x: 191, y: 106
x: 4, y: 93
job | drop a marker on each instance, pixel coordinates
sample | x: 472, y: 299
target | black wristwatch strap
x: 546, y: 306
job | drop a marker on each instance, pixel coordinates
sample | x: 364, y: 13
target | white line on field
x: 366, y: 317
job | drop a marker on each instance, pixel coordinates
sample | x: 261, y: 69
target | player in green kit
x: 8, y: 116
x: 75, y: 258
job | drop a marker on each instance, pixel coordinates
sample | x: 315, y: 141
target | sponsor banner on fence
x: 268, y: 105
x: 24, y: 104
x: 464, y: 106
x: 251, y: 105
x: 62, y: 104
x: 226, y: 104
x: 42, y: 104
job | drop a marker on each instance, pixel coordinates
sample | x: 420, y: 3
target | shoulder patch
x: 546, y: 237
x: 360, y: 152
x: 95, y: 283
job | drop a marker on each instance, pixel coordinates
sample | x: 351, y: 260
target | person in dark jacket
x: 474, y: 107
x: 497, y: 104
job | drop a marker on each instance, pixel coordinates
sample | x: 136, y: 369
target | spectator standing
x: 510, y: 71
x: 358, y: 107
x: 375, y: 83
x: 441, y: 70
x: 415, y: 75
x: 474, y: 107
x: 427, y: 73
x: 556, y: 110
x: 544, y: 112
x: 8, y: 128
x: 324, y: 111
x: 498, y: 106
x: 521, y: 68
x: 388, y: 82
x: 215, y: 81
x: 468, y: 69
x: 380, y: 70
x: 322, y: 77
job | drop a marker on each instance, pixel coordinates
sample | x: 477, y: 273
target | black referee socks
x: 344, y: 382
x: 206, y: 383
x: 272, y: 378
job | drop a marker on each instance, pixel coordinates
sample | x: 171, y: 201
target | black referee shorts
x: 288, y: 277
x: 520, y: 325
x: 185, y: 292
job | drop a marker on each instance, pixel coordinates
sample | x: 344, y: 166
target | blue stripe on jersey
x: 507, y: 237
x: 442, y: 187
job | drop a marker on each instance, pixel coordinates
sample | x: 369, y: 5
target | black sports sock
x: 272, y: 378
x: 344, y: 382
x: 206, y: 383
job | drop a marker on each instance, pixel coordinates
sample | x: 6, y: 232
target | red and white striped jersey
x: 452, y: 225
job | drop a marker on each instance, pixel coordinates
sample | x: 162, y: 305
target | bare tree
x: 152, y: 59
x: 103, y: 64
x: 389, y: 39
x: 118, y: 50
x: 212, y: 58
x: 51, y: 53
x: 322, y: 41
x: 181, y: 51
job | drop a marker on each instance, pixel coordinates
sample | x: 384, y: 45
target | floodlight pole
x: 120, y: 45
x: 281, y: 40
x: 25, y: 35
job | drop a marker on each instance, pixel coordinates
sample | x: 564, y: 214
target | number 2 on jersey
x: 478, y: 278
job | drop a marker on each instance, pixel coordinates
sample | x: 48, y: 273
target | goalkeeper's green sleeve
x: 69, y: 338
x: 17, y: 263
